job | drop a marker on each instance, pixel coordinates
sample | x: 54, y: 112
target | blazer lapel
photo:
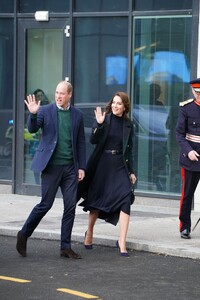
x: 54, y: 115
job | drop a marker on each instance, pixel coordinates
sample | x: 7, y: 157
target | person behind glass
x: 188, y: 137
x: 39, y: 96
x: 106, y: 189
x: 157, y: 147
x: 61, y: 157
x: 154, y: 94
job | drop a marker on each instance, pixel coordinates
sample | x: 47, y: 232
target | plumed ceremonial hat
x: 195, y: 84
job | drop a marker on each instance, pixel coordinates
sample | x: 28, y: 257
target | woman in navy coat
x: 106, y: 189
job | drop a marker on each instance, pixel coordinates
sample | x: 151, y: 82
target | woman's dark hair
x: 44, y: 99
x: 37, y: 91
x: 125, y: 101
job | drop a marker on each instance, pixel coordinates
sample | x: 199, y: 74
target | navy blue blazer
x: 47, y: 120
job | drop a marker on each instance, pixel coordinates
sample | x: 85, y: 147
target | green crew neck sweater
x: 63, y: 154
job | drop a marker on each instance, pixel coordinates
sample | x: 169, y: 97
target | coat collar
x: 126, y: 130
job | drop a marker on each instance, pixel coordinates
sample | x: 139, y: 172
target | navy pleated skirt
x: 109, y: 191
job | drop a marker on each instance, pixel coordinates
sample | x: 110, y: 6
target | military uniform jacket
x: 188, y: 133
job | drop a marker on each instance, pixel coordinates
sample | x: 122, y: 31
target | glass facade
x: 6, y: 98
x: 43, y: 56
x: 103, y: 43
x: 161, y: 72
x: 101, y: 5
x: 28, y: 6
x: 7, y: 6
x: 146, y: 5
x: 140, y: 47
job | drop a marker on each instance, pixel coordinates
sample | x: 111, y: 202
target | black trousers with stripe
x: 190, y: 180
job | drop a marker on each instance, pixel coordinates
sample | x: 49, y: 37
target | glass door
x: 161, y: 63
x: 43, y: 62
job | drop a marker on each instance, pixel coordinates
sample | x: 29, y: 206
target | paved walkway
x: 154, y: 225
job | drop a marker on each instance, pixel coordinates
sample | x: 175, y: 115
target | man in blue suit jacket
x: 61, y: 159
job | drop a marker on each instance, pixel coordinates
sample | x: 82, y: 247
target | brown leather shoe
x: 21, y: 244
x: 70, y: 254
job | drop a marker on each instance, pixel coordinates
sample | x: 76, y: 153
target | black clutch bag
x: 132, y: 194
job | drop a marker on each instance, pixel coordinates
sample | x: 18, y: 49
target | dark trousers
x: 190, y: 180
x: 52, y: 178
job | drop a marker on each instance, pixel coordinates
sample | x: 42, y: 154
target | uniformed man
x: 188, y: 137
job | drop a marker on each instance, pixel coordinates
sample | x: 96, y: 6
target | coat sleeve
x: 81, y: 147
x: 129, y: 152
x: 98, y: 131
x: 181, y: 130
x: 35, y: 121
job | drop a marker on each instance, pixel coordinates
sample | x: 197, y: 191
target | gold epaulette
x: 183, y: 103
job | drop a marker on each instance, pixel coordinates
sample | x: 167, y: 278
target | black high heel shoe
x: 88, y: 247
x: 124, y: 254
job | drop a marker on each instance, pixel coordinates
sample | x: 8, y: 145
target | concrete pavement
x: 154, y: 225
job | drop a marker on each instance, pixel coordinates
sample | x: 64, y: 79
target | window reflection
x: 6, y: 98
x: 161, y: 74
x: 101, y: 46
x: 28, y: 6
x: 103, y: 43
x: 101, y: 5
x: 162, y: 4
x: 43, y: 56
x: 7, y: 6
x: 116, y: 70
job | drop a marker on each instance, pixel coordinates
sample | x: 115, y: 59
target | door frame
x: 19, y: 187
